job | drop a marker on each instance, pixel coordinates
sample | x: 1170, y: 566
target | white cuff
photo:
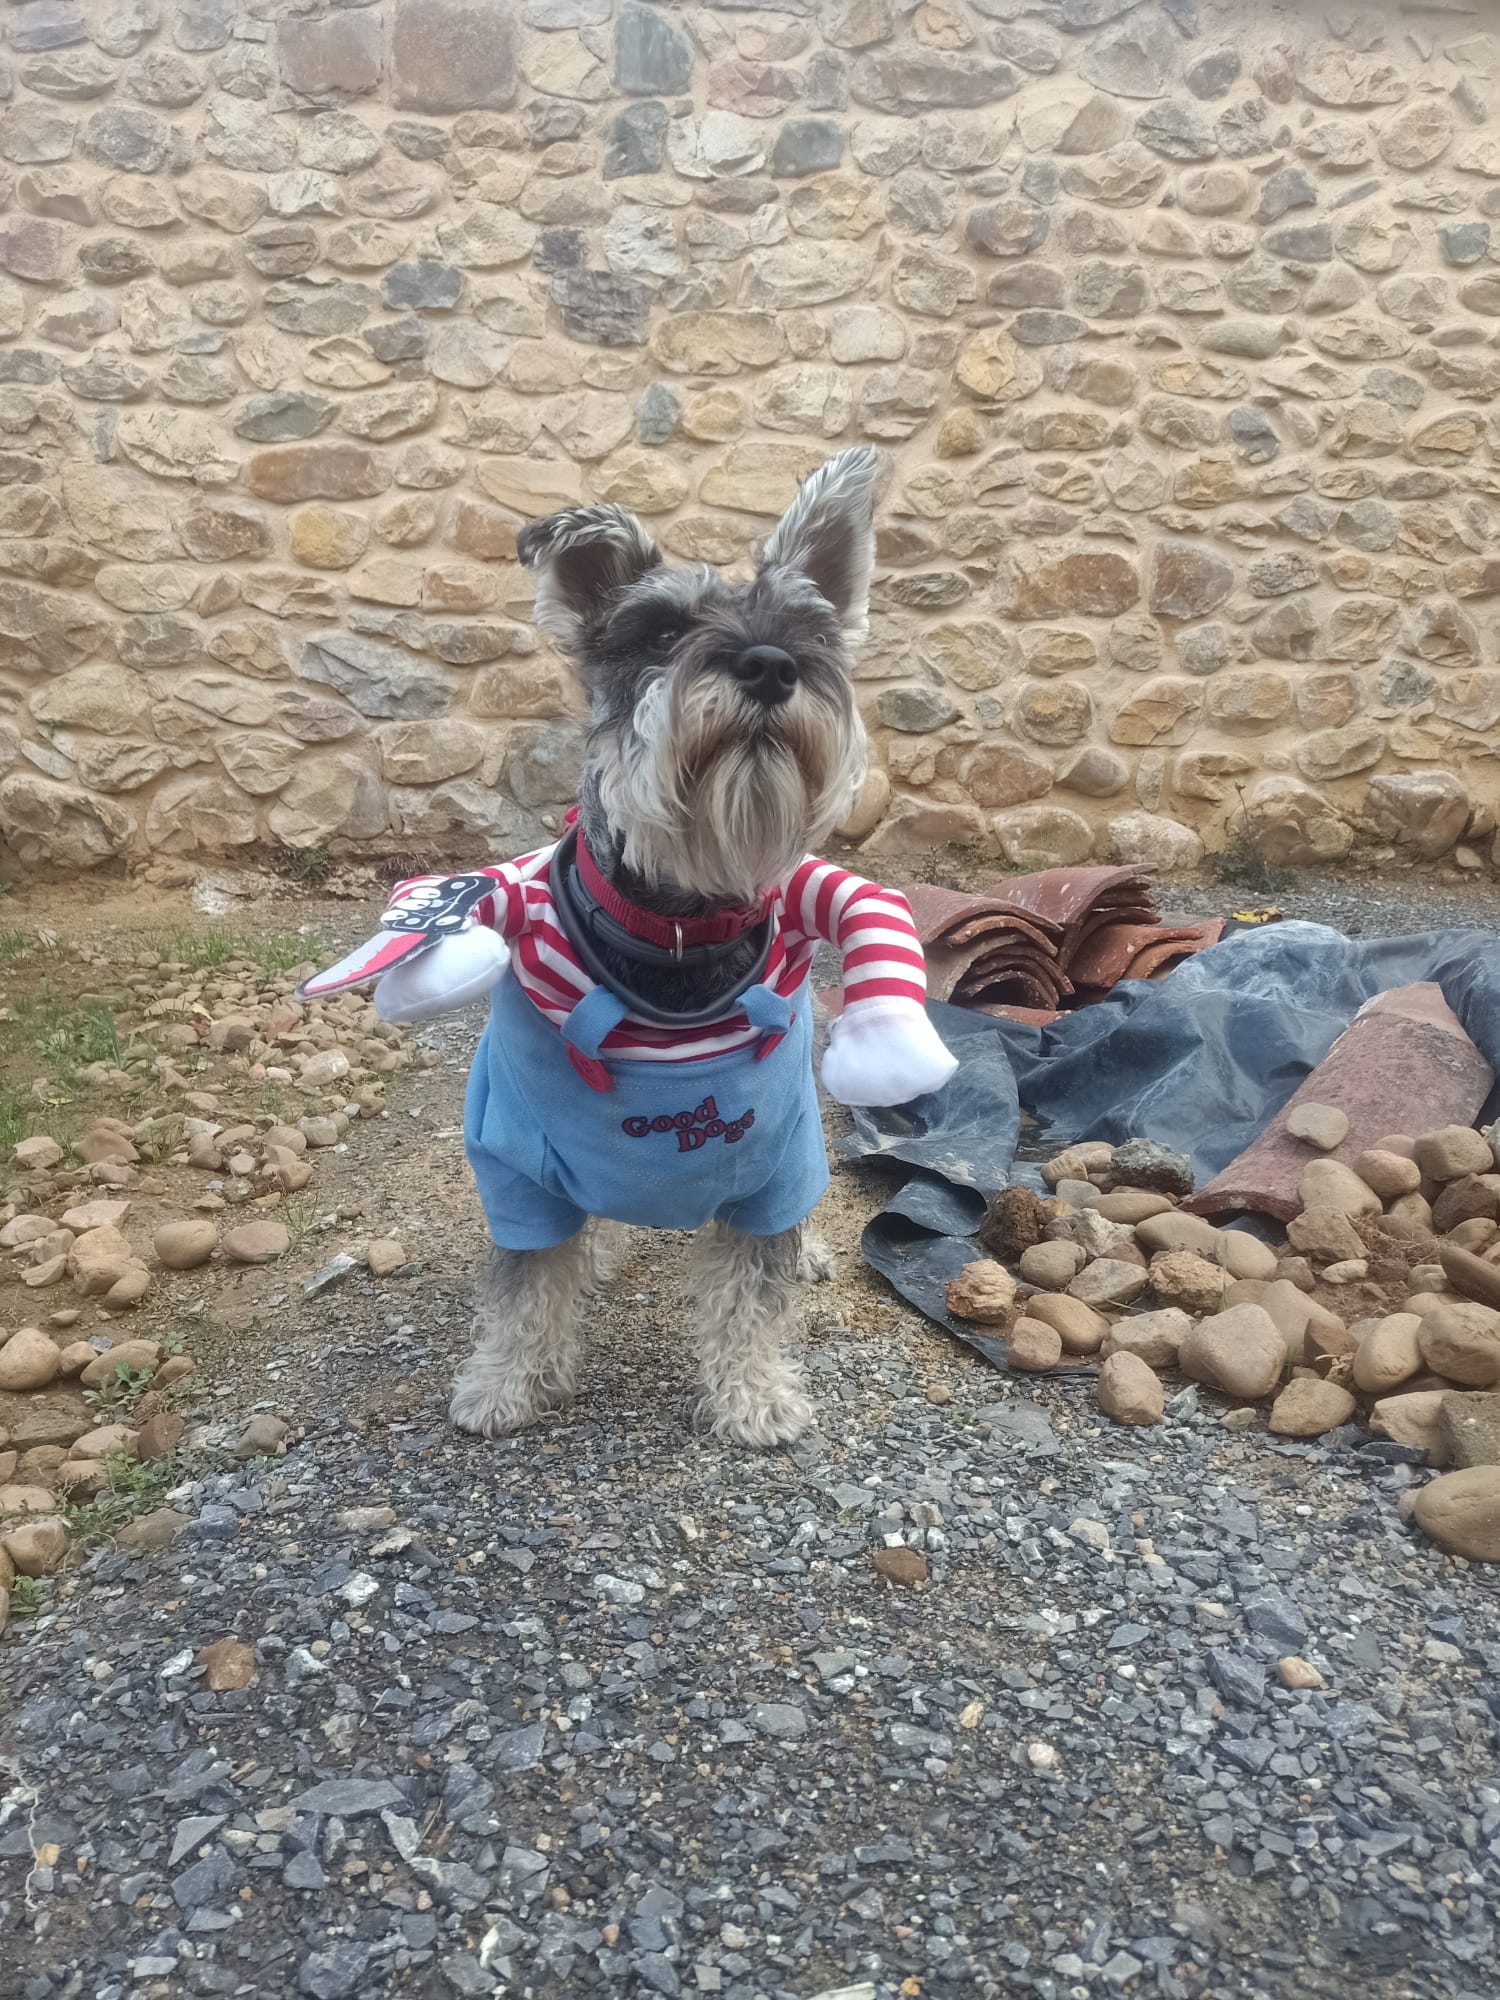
x: 453, y: 972
x: 885, y: 1052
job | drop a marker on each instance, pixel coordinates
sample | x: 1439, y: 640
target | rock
x: 449, y: 55
x: 35, y: 1156
x: 1410, y: 1418
x: 262, y: 1437
x: 1144, y: 1163
x: 226, y: 1664
x: 1460, y: 1511
x: 104, y: 1442
x: 1183, y: 1278
x: 1176, y: 1231
x: 1081, y: 1328
x: 1033, y: 1345
x: 1014, y: 1221
x: 139, y: 1357
x: 1051, y: 1266
x: 1128, y: 1391
x: 1108, y: 1282
x: 1154, y: 1337
x: 1460, y: 1341
x: 1320, y: 1125
x: 1307, y: 1407
x: 1454, y: 1151
x: 1475, y: 1277
x: 1243, y: 1255
x: 1241, y: 1351
x: 1389, y: 1354
x: 160, y: 1435
x: 1326, y: 1235
x: 901, y: 1566
x: 1132, y: 1205
x: 1388, y: 1174
x: 156, y: 1530
x: 1329, y: 1184
x: 99, y: 1260
x: 17, y: 1499
x: 182, y: 1246
x: 384, y: 1255
x: 984, y: 1292
x: 257, y: 1242
x: 1468, y: 1430
x: 1295, y: 1672
x: 28, y: 1360
x: 37, y: 1548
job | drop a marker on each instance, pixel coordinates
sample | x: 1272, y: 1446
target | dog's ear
x: 828, y: 535
x: 581, y: 557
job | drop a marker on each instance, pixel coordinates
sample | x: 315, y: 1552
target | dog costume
x: 580, y: 1103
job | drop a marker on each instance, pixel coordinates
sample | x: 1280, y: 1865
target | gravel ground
x: 609, y: 1709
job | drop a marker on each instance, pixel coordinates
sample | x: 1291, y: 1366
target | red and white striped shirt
x: 870, y: 927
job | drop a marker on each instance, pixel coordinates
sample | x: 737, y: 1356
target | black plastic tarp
x: 1200, y: 1060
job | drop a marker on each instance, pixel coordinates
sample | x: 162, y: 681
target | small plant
x: 299, y: 1215
x: 310, y: 865
x: 67, y: 1038
x: 25, y: 1597
x: 278, y: 954
x: 13, y: 944
x: 162, y: 1138
x: 1239, y: 866
x: 133, y: 1486
x: 121, y: 1389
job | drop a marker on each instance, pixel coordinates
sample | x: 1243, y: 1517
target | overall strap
x: 770, y: 1013
x: 597, y: 1014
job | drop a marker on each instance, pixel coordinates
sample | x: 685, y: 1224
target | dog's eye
x: 664, y: 637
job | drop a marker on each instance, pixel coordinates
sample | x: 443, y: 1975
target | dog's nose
x: 766, y: 673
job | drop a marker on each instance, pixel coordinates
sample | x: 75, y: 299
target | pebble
x: 983, y: 1291
x: 227, y: 1663
x: 105, y: 1440
x: 900, y: 1565
x: 1177, y: 1231
x: 1051, y: 1266
x: 1410, y: 1418
x: 1079, y: 1326
x: 1241, y: 1351
x: 1455, y: 1150
x: 1473, y: 1276
x: 1295, y: 1672
x: 1326, y: 1235
x: 1320, y: 1125
x: 1154, y: 1337
x: 94, y: 1215
x: 1108, y: 1281
x: 182, y: 1246
x: 37, y: 1547
x: 160, y: 1435
x: 1184, y: 1279
x: 28, y: 1360
x: 1389, y: 1354
x: 1128, y: 1390
x: 1389, y: 1175
x: 262, y: 1437
x: 1308, y: 1406
x: 1243, y: 1255
x: 1033, y: 1345
x: 1327, y: 1183
x: 257, y: 1242
x: 156, y: 1530
x: 1133, y: 1205
x: 384, y: 1256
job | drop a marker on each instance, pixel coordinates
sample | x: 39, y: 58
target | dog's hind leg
x: 746, y: 1290
x: 525, y: 1359
x: 610, y: 1245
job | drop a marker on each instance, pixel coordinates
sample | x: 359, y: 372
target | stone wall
x: 1178, y: 326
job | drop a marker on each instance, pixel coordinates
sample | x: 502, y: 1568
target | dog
x: 648, y: 1059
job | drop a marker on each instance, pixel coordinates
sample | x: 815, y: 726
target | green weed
x: 121, y: 1389
x: 25, y: 1597
x: 134, y: 1487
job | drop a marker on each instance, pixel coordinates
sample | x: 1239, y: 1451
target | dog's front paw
x: 815, y: 1262
x: 497, y: 1402
x: 775, y: 1413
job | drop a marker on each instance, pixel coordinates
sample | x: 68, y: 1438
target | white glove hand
x: 452, y: 973
x: 885, y: 1052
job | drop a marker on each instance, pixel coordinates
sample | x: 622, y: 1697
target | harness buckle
x: 677, y: 947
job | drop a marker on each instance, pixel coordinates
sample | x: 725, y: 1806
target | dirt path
x: 609, y: 1709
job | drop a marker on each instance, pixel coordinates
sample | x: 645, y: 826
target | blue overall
x: 668, y: 1145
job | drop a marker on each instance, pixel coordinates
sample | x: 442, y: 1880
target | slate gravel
x: 611, y: 1710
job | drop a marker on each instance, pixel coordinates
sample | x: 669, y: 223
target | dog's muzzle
x: 767, y: 674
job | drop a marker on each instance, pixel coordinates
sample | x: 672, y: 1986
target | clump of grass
x: 134, y: 1487
x: 13, y: 944
x: 278, y: 954
x: 311, y: 865
x: 299, y: 1215
x: 25, y: 1597
x: 121, y: 1389
x: 67, y: 1038
x: 162, y: 1137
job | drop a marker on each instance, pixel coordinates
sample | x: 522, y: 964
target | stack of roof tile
x: 1043, y: 943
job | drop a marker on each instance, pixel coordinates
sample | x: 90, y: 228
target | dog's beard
x: 714, y: 793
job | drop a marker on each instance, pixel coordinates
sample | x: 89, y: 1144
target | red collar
x: 672, y: 933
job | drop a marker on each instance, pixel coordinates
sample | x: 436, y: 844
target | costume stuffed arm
x: 883, y: 1049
